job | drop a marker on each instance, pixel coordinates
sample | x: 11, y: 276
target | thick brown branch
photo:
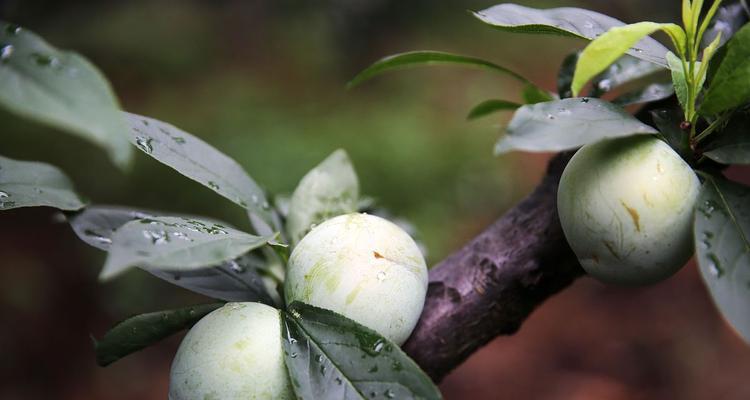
x: 490, y: 286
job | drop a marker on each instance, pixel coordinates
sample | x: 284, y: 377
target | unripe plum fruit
x: 363, y: 267
x: 626, y: 207
x: 234, y: 352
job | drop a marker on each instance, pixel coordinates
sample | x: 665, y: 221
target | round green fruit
x: 626, y: 208
x: 235, y: 352
x: 363, y: 267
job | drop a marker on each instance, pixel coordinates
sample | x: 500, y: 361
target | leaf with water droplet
x: 60, y: 89
x: 136, y: 244
x: 338, y: 358
x: 541, y: 127
x: 141, y: 331
x: 565, y: 21
x: 722, y: 233
x: 328, y: 190
x: 35, y: 184
x: 201, y: 162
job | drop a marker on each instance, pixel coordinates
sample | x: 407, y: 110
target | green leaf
x: 422, y: 58
x: 679, y: 80
x: 653, y: 92
x: 722, y: 229
x: 201, y: 162
x: 35, y: 184
x: 329, y: 356
x: 488, y: 107
x: 731, y: 145
x: 610, y: 46
x: 628, y: 70
x: 60, y: 89
x: 141, y: 331
x: 328, y: 190
x: 567, y: 124
x: 234, y: 280
x: 176, y: 244
x: 566, y: 21
x: 730, y: 86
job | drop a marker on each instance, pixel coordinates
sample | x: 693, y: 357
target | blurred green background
x: 264, y: 82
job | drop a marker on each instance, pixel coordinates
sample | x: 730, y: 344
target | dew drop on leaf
x: 4, y: 195
x: 144, y: 144
x: 5, y: 53
x: 714, y: 266
x: 12, y: 29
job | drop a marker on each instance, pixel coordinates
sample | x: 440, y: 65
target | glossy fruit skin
x: 363, y: 267
x: 626, y: 207
x: 233, y: 353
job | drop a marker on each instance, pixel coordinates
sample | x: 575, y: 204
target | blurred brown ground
x: 263, y: 81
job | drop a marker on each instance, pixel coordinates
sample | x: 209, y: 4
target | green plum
x: 363, y: 267
x: 233, y: 353
x: 626, y: 207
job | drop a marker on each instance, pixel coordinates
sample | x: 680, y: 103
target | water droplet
x: 389, y: 394
x: 313, y: 226
x: 293, y: 355
x: 5, y: 52
x: 397, y: 366
x: 4, y: 195
x: 588, y: 25
x: 339, y: 381
x: 178, y: 140
x: 144, y: 144
x: 45, y: 60
x: 265, y: 205
x: 213, y: 185
x: 322, y: 370
x: 584, y: 100
x: 96, y: 236
x: 12, y: 29
x: 255, y: 199
x: 714, y: 265
x: 156, y: 237
x: 292, y: 340
x: 319, y: 358
x: 7, y: 204
x: 707, y: 208
x: 378, y: 345
x: 381, y: 276
x: 234, y: 266
x: 550, y: 116
x: 637, y: 50
x: 605, y: 85
x: 182, y: 235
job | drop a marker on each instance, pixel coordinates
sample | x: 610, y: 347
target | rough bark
x: 490, y: 286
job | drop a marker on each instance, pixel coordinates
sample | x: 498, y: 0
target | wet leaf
x: 722, y: 229
x: 329, y: 356
x: 175, y: 244
x: 141, y: 331
x: 60, y: 89
x: 567, y: 124
x: 35, y: 184
x: 201, y: 162
x: 565, y: 21
x: 328, y: 190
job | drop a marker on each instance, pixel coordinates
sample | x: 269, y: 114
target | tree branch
x: 492, y: 284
